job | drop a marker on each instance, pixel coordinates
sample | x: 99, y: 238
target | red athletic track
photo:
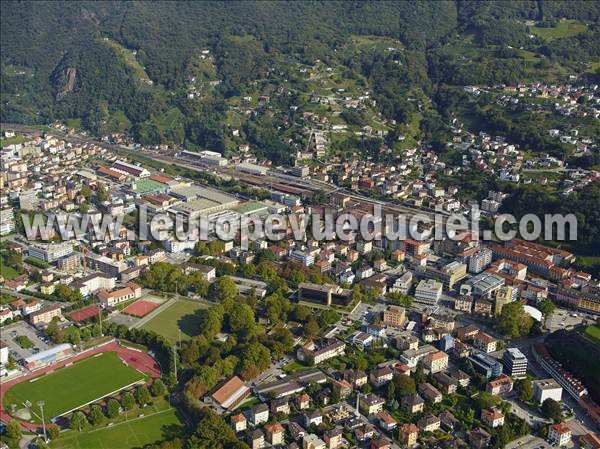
x: 136, y: 359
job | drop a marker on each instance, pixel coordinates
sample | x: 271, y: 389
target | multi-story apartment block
x: 515, y: 363
x: 394, y: 316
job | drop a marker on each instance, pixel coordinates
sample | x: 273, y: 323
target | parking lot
x: 366, y: 311
x: 528, y: 442
x: 12, y: 331
x: 177, y: 258
x: 566, y: 319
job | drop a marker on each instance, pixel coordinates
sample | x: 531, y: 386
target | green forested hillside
x: 122, y: 66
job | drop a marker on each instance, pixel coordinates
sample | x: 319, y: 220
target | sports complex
x: 74, y: 383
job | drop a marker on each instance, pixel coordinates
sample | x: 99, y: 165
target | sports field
x: 85, y: 313
x: 592, y: 332
x: 73, y: 386
x: 140, y: 308
x: 183, y: 315
x: 133, y: 433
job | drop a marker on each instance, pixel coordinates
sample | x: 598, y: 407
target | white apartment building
x: 7, y: 221
x: 50, y: 252
x: 480, y: 260
x: 515, y: 362
x: 559, y: 434
x: 547, y: 389
x: 428, y: 291
x: 302, y: 257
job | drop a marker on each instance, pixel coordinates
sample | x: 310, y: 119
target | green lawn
x: 37, y: 262
x: 73, y: 123
x: 295, y: 367
x: 593, y: 333
x: 8, y: 272
x: 184, y: 315
x: 134, y: 433
x: 24, y: 341
x: 12, y: 140
x: 128, y: 58
x: 73, y: 386
x: 564, y: 28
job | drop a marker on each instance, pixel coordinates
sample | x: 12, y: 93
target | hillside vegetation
x: 125, y: 65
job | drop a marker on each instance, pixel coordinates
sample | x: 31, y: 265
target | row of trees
x: 166, y: 277
x: 96, y: 414
x: 112, y: 408
x: 159, y: 345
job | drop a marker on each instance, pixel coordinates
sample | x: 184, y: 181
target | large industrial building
x: 199, y: 201
x: 205, y: 157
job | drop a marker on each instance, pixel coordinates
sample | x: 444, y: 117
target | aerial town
x: 410, y: 343
x: 118, y: 333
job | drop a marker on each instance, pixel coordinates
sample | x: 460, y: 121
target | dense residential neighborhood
x: 417, y: 342
x: 230, y: 225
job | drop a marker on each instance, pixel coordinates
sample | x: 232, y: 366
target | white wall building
x: 547, y: 389
x: 428, y: 291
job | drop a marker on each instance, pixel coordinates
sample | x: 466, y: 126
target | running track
x: 136, y: 359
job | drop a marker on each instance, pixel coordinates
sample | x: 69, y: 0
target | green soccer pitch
x: 183, y: 315
x: 134, y: 433
x: 73, y: 386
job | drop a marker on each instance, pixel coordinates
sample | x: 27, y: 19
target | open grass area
x: 169, y: 119
x: 73, y: 123
x: 248, y: 403
x: 564, y: 28
x: 73, y: 386
x: 593, y: 333
x: 24, y: 341
x: 184, y: 315
x: 588, y: 260
x: 37, y: 262
x: 295, y: 367
x: 133, y: 433
x: 589, y: 264
x: 129, y: 58
x: 148, y: 186
x: 11, y: 140
x: 8, y: 272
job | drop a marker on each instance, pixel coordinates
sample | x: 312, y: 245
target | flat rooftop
x: 192, y: 192
x: 292, y: 383
x: 195, y: 206
x: 248, y: 208
x: 147, y: 185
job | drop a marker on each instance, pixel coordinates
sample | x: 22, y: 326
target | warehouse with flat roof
x: 200, y: 200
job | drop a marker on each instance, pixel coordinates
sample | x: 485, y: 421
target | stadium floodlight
x: 41, y: 406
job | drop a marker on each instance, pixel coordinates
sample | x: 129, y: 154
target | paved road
x: 530, y: 415
x: 528, y: 442
x: 10, y: 332
x: 580, y: 416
